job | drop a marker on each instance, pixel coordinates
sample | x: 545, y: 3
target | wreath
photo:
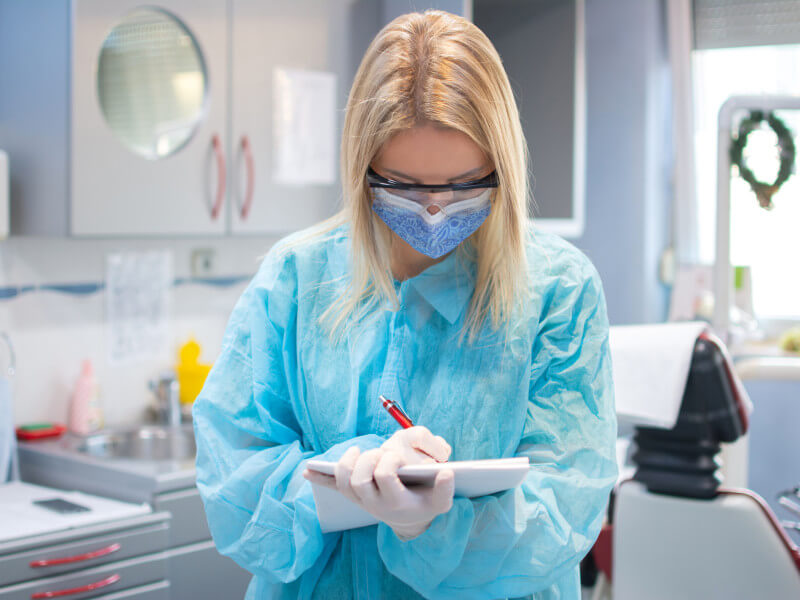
x: 764, y: 191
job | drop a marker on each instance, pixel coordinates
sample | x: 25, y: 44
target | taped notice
x: 304, y: 126
x: 138, y: 288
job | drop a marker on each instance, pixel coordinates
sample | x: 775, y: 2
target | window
x: 767, y: 241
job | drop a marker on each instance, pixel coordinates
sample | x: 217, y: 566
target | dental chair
x: 675, y: 533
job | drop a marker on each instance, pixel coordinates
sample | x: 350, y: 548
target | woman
x: 492, y: 336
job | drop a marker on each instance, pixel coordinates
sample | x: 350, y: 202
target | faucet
x: 167, y: 393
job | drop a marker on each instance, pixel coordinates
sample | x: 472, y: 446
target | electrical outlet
x: 204, y: 262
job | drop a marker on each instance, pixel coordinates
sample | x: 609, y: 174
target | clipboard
x: 473, y: 478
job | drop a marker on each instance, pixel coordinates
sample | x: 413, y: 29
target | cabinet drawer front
x: 105, y: 580
x: 188, y: 523
x: 154, y: 591
x: 81, y: 554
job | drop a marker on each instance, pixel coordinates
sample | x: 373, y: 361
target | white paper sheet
x: 19, y: 517
x: 304, y: 127
x: 4, y: 195
x: 138, y: 286
x: 651, y: 365
x: 473, y: 478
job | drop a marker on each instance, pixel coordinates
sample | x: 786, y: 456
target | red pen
x: 394, y: 409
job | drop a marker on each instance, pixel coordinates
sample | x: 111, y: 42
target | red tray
x: 40, y: 431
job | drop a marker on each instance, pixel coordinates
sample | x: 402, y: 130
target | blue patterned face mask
x: 432, y: 234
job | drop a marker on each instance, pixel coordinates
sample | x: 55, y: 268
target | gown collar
x: 447, y: 285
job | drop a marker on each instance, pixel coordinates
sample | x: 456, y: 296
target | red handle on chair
x: 217, y: 145
x: 248, y: 161
x: 50, y: 562
x: 84, y: 588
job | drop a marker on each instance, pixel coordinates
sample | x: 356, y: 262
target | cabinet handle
x: 218, y: 152
x: 78, y: 590
x: 248, y: 161
x: 50, y: 562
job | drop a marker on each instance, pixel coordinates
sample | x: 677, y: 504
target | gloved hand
x: 370, y: 480
x: 418, y: 445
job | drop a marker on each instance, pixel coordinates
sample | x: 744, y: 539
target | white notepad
x: 473, y: 478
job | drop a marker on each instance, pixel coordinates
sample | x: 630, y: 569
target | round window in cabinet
x: 151, y: 83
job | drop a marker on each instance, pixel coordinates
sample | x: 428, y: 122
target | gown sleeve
x: 524, y: 540
x: 251, y: 451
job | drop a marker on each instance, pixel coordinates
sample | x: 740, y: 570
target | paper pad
x: 472, y: 478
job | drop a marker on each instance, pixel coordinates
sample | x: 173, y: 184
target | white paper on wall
x: 4, y: 195
x: 304, y: 127
x: 138, y: 286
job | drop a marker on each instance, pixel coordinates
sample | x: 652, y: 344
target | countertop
x: 58, y: 463
x: 21, y: 517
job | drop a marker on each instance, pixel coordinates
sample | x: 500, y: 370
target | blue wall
x: 775, y: 441
x: 627, y: 179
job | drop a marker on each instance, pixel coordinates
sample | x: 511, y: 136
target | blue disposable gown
x: 281, y: 393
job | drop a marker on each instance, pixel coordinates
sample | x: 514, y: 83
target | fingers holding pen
x: 417, y: 444
x: 433, y: 445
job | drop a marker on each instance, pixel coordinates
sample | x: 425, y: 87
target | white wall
x: 53, y: 332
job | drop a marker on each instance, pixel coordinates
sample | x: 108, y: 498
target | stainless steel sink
x: 149, y: 442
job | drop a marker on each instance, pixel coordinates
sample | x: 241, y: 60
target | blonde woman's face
x: 431, y: 155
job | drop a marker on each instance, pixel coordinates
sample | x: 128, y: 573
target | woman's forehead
x: 427, y: 152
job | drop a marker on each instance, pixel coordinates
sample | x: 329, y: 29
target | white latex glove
x: 370, y: 481
x: 418, y: 445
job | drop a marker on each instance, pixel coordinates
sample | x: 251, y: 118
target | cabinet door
x: 198, y: 571
x: 149, y: 91
x: 285, y: 57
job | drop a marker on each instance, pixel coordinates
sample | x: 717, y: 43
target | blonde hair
x: 434, y: 68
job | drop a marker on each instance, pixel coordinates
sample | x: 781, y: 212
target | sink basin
x: 152, y: 442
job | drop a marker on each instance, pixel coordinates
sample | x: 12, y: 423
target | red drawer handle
x: 77, y: 558
x: 84, y: 588
x: 217, y: 145
x: 248, y: 160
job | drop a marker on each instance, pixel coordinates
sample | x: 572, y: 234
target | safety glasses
x: 426, y: 194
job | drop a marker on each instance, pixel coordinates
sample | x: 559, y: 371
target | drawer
x: 55, y: 558
x: 188, y: 522
x: 97, y: 582
x: 153, y: 591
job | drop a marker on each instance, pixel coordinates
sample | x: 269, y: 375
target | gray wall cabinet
x: 127, y: 120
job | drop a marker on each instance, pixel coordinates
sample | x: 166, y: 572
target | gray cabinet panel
x: 151, y: 568
x: 199, y: 572
x: 188, y: 516
x: 154, y: 591
x: 18, y: 567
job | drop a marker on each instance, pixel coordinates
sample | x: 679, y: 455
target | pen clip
x: 400, y: 410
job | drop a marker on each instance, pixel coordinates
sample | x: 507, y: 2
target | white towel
x: 651, y: 365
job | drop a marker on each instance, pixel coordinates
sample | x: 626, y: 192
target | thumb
x: 443, y: 489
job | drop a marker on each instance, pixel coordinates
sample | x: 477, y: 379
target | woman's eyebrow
x: 464, y: 175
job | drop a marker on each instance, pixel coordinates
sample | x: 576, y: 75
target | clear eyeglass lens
x: 440, y: 198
